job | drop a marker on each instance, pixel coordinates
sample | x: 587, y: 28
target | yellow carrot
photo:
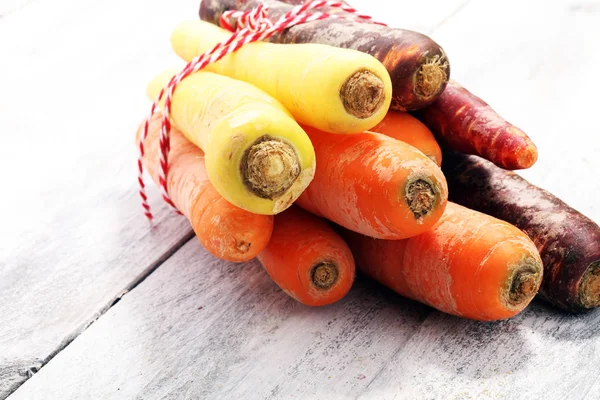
x: 335, y: 90
x: 257, y: 157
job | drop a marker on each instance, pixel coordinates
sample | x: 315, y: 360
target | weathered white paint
x: 534, y: 61
x: 72, y: 238
x: 540, y: 354
x: 72, y: 234
x: 201, y: 328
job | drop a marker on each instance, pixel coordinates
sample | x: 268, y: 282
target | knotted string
x: 251, y: 26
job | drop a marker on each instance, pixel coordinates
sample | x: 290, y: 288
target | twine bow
x: 251, y: 26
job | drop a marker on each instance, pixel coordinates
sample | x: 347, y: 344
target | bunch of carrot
x: 300, y: 152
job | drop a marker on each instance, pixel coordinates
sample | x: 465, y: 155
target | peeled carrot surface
x: 226, y: 231
x: 307, y: 259
x: 374, y: 185
x: 403, y: 126
x: 470, y: 265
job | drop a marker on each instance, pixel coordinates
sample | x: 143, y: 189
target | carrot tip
x: 525, y: 282
x: 589, y: 288
x: 324, y: 274
x: 362, y: 94
x: 432, y: 76
x: 270, y: 167
x: 420, y: 197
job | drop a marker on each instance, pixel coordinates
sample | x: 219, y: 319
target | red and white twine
x: 252, y: 26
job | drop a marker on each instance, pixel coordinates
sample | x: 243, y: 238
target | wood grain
x: 533, y: 62
x: 201, y: 328
x: 8, y: 7
x: 540, y: 354
x: 73, y: 237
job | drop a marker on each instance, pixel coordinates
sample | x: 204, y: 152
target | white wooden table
x: 94, y: 303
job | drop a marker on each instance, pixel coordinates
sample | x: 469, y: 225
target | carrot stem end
x: 324, y: 274
x: 589, y: 287
x: 524, y: 283
x: 432, y: 76
x: 420, y: 197
x: 362, y: 94
x: 270, y: 167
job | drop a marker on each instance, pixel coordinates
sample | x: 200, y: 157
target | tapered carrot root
x: 226, y: 231
x: 418, y: 66
x: 469, y: 264
x: 257, y: 156
x: 375, y: 185
x: 307, y: 259
x: 403, y: 126
x: 467, y: 124
x: 335, y: 90
x: 568, y: 241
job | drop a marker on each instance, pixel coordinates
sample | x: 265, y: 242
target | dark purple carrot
x: 568, y: 241
x: 418, y: 66
x: 467, y: 124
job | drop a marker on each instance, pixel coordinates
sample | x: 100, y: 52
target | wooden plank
x: 8, y: 7
x: 201, y: 328
x: 541, y: 353
x: 534, y: 63
x: 524, y: 64
x: 73, y: 237
x: 73, y: 95
x: 420, y: 16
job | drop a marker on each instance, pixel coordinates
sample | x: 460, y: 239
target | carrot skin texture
x: 307, y: 79
x: 300, y: 242
x: 360, y: 183
x: 568, y: 241
x: 462, y: 266
x: 226, y: 231
x: 256, y: 155
x: 404, y: 53
x: 467, y: 124
x: 408, y: 129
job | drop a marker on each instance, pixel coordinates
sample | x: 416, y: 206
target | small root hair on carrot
x: 362, y: 94
x: 420, y: 197
x: 269, y: 167
x: 432, y: 76
x: 589, y: 287
x: 324, y: 274
x: 524, y: 282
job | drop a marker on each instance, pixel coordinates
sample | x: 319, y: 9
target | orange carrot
x: 470, y: 265
x: 307, y: 259
x: 226, y: 231
x: 374, y: 185
x: 403, y: 126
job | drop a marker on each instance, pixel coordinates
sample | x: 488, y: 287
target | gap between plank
x: 146, y: 273
x: 16, y: 9
x: 452, y: 14
x: 70, y: 338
